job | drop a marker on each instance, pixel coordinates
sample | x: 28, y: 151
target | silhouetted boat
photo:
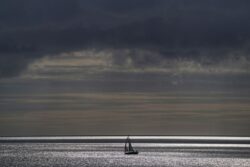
x: 129, y: 148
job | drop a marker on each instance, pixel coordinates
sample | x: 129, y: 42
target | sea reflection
x: 111, y: 154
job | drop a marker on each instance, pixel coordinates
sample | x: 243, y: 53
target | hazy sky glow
x: 115, y: 67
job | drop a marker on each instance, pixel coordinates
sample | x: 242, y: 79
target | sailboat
x: 129, y: 148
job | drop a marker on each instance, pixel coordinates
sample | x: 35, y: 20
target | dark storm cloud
x: 30, y: 29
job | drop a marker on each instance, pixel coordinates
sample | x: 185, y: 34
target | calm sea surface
x: 75, y: 154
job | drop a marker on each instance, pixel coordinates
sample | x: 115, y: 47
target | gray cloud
x: 206, y: 32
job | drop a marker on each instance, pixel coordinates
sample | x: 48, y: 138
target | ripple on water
x: 99, y: 154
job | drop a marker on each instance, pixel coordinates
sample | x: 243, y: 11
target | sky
x: 116, y: 67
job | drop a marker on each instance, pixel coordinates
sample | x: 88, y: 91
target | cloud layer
x: 153, y: 31
x: 91, y: 63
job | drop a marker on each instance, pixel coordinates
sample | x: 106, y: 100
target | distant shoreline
x: 135, y: 139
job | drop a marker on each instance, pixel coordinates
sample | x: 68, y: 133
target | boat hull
x: 131, y: 152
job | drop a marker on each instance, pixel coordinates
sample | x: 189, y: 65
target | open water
x: 74, y: 152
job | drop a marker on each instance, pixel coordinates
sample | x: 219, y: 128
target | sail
x: 128, y: 145
x: 126, y: 148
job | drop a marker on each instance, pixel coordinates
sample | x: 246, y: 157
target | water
x: 63, y: 154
